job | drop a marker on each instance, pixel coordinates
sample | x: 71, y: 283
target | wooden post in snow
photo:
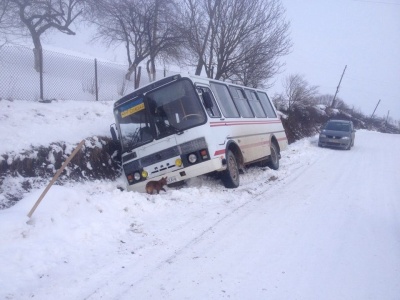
x: 64, y: 165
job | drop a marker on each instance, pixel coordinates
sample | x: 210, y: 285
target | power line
x: 378, y: 2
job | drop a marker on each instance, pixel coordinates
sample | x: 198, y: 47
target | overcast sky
x: 364, y: 35
x: 327, y: 35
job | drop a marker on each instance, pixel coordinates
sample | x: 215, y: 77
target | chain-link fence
x: 65, y: 77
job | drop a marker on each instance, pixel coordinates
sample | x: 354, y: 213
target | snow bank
x: 28, y: 123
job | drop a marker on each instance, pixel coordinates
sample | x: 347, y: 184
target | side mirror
x: 113, y: 130
x: 208, y: 103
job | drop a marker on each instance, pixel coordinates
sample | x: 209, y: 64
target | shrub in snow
x: 96, y: 160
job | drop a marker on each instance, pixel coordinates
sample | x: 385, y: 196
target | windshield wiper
x: 133, y: 141
x: 176, y: 130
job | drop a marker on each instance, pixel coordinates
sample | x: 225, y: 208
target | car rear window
x: 338, y: 126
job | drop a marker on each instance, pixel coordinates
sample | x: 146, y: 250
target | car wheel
x: 230, y: 176
x: 273, y: 162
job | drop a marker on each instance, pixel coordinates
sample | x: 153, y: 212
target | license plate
x: 171, y: 179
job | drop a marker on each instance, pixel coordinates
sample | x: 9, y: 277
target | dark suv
x: 337, y: 134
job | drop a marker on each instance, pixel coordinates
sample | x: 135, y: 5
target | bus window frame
x: 214, y: 100
x: 220, y: 102
x: 270, y: 105
x: 254, y: 92
x: 241, y: 101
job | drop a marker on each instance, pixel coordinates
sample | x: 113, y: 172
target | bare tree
x: 8, y: 23
x: 3, y: 9
x: 145, y: 27
x: 340, y: 104
x: 121, y: 22
x: 298, y: 91
x: 39, y: 16
x: 198, y: 28
x: 325, y: 99
x: 163, y: 37
x: 240, y: 40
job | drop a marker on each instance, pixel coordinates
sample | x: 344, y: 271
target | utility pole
x: 387, y: 117
x: 337, y: 89
x: 375, y: 108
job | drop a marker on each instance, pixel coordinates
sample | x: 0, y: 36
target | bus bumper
x: 182, y: 174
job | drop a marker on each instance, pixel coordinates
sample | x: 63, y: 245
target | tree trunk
x: 148, y: 70
x: 151, y: 69
x: 137, y: 77
x: 37, y: 54
x: 131, y: 69
x: 199, y: 67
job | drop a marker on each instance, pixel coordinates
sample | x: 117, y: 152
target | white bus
x: 184, y: 126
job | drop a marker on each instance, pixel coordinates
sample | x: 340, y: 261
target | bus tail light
x: 130, y: 178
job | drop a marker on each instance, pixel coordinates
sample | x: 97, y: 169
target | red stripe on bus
x: 222, y: 151
x: 234, y: 123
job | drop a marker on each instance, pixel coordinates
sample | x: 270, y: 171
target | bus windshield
x: 167, y: 110
x: 134, y: 124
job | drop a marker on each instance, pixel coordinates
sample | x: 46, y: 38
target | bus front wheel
x: 230, y: 177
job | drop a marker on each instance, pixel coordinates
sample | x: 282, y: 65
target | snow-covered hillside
x: 31, y: 123
x: 324, y: 226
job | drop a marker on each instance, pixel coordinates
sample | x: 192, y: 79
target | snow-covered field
x: 326, y: 225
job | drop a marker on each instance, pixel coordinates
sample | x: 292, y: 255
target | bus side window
x: 209, y: 102
x: 241, y: 102
x: 225, y: 100
x: 266, y: 104
x: 255, y: 104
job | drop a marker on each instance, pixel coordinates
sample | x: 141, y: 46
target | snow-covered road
x: 325, y: 226
x: 329, y: 231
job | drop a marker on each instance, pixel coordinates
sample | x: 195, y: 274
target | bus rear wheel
x: 273, y: 162
x: 230, y: 177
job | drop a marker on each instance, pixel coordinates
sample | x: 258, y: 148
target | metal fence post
x: 41, y: 73
x: 95, y: 79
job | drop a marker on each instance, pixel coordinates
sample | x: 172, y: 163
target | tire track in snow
x: 258, y: 191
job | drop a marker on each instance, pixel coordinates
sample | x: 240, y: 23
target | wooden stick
x: 64, y: 165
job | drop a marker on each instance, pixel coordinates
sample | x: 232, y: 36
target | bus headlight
x: 192, y: 158
x: 136, y: 176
